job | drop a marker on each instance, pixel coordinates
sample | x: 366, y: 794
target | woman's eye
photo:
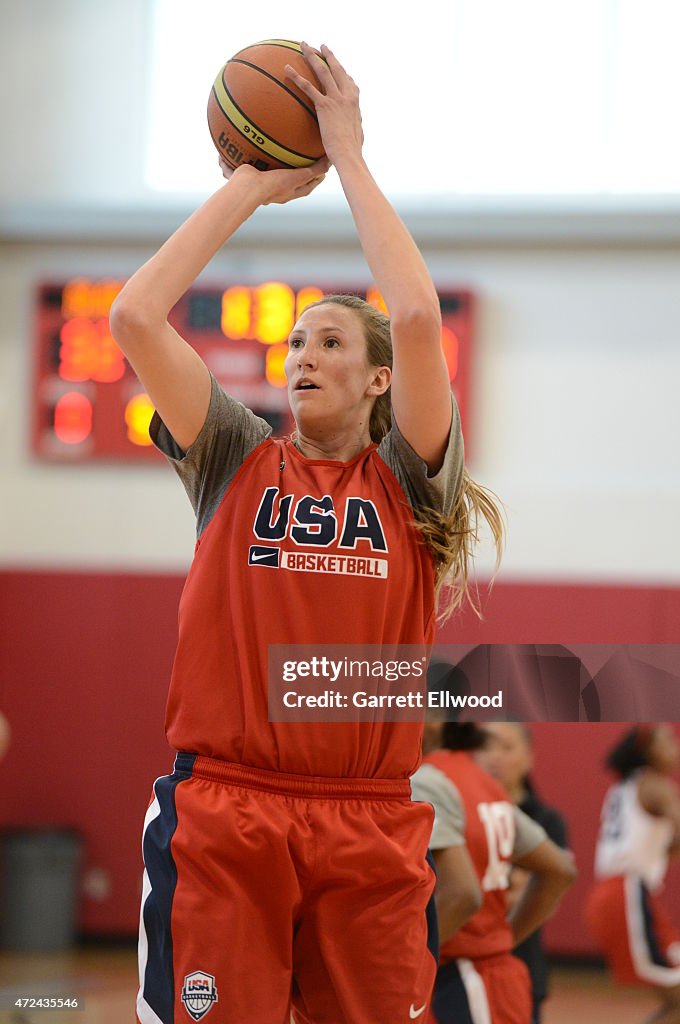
x: 294, y: 342
x: 332, y: 342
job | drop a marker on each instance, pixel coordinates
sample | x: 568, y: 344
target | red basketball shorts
x: 266, y: 894
x: 489, y: 990
x: 634, y: 932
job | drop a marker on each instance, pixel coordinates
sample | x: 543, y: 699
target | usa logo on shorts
x: 199, y: 993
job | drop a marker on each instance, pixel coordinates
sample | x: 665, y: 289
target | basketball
x: 256, y: 114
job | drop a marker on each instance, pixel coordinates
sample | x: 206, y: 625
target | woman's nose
x: 307, y: 356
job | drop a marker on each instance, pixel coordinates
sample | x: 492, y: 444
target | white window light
x: 459, y: 98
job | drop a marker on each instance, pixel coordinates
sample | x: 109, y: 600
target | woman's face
x: 331, y: 386
x: 663, y: 752
x: 507, y: 754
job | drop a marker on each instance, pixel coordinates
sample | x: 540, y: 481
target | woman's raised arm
x: 175, y: 377
x: 421, y: 393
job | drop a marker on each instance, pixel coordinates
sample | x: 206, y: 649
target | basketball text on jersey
x: 313, y: 522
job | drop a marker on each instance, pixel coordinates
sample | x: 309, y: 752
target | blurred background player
x: 639, y: 832
x: 479, y: 980
x: 508, y: 755
x: 310, y: 823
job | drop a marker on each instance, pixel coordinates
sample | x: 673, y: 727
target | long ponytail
x: 451, y: 539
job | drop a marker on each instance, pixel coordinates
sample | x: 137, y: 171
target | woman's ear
x: 380, y: 381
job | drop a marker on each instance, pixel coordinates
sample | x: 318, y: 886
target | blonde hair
x: 452, y: 538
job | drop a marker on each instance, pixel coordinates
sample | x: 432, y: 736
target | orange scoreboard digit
x: 89, y: 405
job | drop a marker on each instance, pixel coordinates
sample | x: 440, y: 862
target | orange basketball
x: 256, y: 115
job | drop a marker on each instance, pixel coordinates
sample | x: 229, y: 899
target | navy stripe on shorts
x: 450, y: 1000
x: 158, y: 988
x: 431, y: 917
x: 655, y: 952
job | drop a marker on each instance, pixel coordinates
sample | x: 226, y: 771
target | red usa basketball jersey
x: 489, y: 833
x: 297, y: 551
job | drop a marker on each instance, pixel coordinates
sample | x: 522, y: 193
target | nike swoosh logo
x: 265, y: 555
x: 413, y: 1013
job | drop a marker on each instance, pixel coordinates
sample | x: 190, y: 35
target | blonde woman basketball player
x: 285, y: 864
x: 639, y: 832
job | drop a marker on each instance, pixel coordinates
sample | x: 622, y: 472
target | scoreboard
x: 88, y: 404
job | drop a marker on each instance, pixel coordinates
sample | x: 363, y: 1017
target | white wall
x: 75, y: 78
x: 575, y: 413
x: 576, y: 420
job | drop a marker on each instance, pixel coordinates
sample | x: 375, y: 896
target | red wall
x: 85, y: 661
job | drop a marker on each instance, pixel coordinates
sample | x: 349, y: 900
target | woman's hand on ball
x: 337, y: 105
x: 227, y: 171
x: 280, y: 186
x: 283, y: 185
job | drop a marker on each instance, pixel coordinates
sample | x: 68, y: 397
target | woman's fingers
x: 312, y: 183
x: 227, y: 171
x: 327, y: 68
x: 310, y: 186
x: 303, y: 83
x: 316, y: 174
x: 338, y: 71
x: 318, y: 66
x: 281, y: 185
x: 332, y: 61
x: 320, y: 166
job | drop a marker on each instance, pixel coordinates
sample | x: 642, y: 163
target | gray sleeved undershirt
x: 231, y: 432
x: 438, y: 491
x: 528, y: 834
x: 433, y: 787
x: 228, y: 436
